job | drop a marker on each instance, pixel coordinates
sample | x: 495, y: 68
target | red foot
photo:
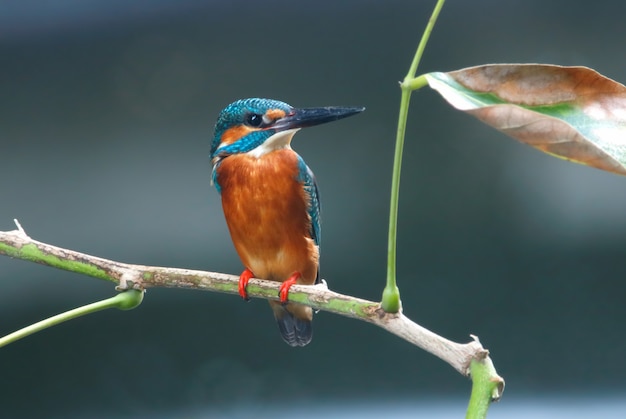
x: 283, y: 291
x: 243, y: 283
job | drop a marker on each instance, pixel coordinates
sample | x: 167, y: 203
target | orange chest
x: 266, y: 209
x: 258, y: 185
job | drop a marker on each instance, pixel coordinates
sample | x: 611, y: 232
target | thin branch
x: 122, y: 301
x: 128, y: 276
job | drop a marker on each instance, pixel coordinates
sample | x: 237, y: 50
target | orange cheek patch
x: 235, y: 133
x: 275, y: 114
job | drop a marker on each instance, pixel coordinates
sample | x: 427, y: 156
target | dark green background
x: 106, y: 116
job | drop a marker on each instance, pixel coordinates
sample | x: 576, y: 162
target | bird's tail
x: 294, y: 322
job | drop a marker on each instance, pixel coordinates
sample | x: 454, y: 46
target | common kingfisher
x: 271, y: 201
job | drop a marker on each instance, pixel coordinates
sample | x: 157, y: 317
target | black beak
x: 301, y: 118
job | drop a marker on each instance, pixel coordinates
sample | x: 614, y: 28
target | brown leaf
x: 573, y: 113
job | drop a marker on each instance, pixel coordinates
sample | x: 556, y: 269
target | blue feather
x: 247, y: 143
x: 306, y: 176
x: 235, y: 114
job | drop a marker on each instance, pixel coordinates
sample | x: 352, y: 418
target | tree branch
x: 18, y: 244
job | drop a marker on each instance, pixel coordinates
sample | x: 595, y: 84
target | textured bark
x: 19, y: 245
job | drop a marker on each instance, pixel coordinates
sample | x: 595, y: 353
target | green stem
x: 487, y: 386
x: 422, y: 45
x: 391, y: 294
x: 124, y: 301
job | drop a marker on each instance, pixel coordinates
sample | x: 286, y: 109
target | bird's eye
x: 254, y: 120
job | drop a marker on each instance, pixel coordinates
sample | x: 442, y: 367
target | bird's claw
x: 283, y: 291
x: 244, y: 278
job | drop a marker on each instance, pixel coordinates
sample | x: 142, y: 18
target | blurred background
x: 106, y: 117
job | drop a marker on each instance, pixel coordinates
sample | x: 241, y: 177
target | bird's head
x: 259, y: 126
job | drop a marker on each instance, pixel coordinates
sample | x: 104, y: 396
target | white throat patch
x: 281, y: 139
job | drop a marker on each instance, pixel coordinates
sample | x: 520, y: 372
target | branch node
x: 130, y: 281
x: 384, y: 315
x: 481, y: 354
x: 477, y: 353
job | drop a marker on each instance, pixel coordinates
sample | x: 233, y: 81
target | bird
x: 270, y: 200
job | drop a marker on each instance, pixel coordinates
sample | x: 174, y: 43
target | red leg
x: 243, y: 283
x: 283, y: 291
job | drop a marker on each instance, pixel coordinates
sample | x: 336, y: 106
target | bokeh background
x: 106, y: 116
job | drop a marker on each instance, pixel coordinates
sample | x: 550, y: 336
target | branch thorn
x: 20, y: 228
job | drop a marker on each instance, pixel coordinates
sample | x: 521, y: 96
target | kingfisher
x: 271, y: 201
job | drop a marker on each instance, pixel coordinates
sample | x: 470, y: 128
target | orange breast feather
x: 266, y: 211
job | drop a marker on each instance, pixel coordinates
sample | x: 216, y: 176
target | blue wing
x: 310, y: 187
x: 307, y: 178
